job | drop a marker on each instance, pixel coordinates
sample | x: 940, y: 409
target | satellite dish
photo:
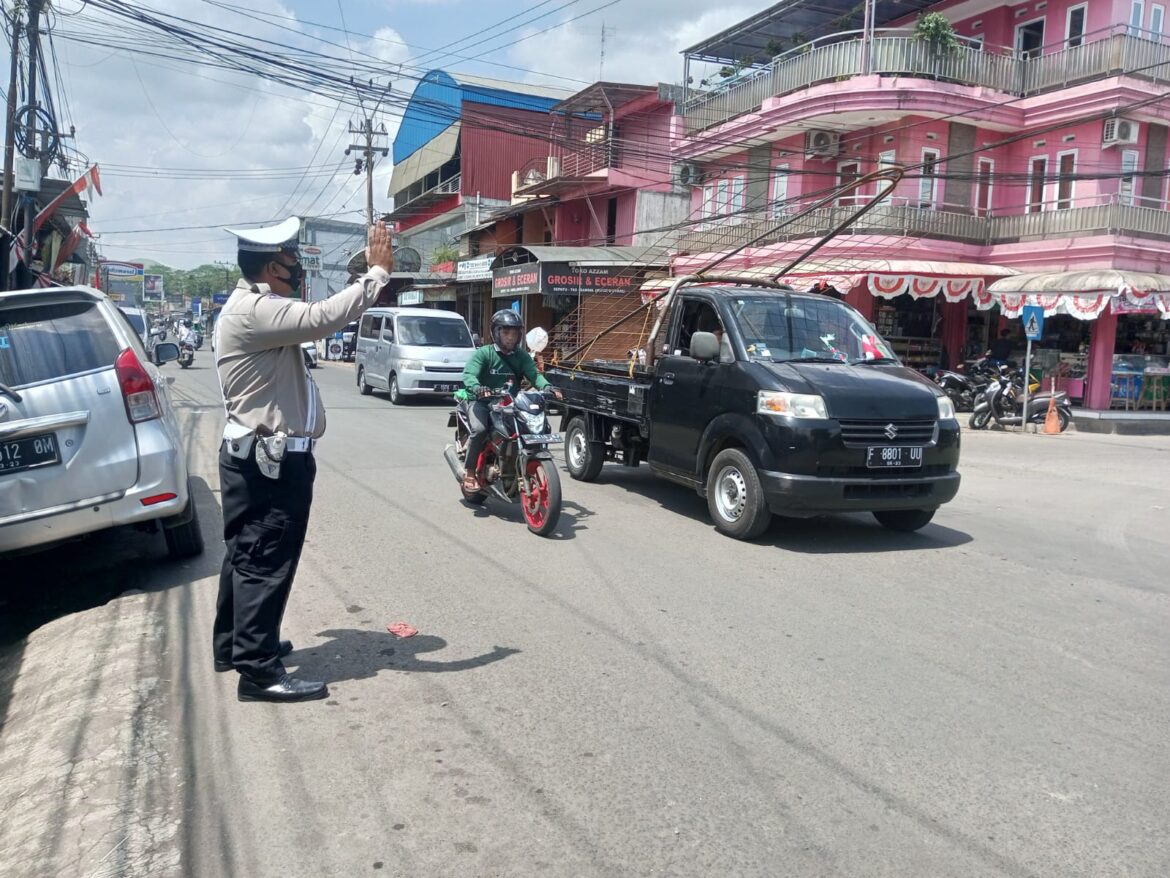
x: 405, y: 259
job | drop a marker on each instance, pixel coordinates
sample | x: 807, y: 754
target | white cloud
x: 643, y: 46
x: 148, y: 113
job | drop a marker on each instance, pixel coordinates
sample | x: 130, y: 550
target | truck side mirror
x: 704, y: 347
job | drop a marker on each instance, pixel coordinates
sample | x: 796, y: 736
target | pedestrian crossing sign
x: 1033, y: 322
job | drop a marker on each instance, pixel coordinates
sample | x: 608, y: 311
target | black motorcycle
x: 965, y: 386
x: 186, y: 354
x: 198, y: 339
x: 515, y: 464
x: 1002, y: 402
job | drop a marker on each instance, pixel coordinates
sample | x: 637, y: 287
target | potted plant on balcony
x: 934, y: 29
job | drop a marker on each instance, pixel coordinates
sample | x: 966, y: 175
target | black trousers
x: 264, y: 524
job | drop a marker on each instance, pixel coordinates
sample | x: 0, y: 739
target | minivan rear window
x: 45, y: 342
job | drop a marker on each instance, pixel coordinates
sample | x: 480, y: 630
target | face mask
x: 295, y: 274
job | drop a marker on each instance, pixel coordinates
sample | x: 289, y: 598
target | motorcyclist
x: 491, y: 368
x: 187, y: 334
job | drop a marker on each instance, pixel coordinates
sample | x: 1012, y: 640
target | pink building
x: 1033, y: 140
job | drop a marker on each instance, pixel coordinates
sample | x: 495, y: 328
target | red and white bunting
x: 918, y: 286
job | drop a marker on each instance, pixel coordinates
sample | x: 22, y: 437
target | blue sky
x: 141, y: 118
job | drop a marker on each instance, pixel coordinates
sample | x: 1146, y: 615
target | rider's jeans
x: 479, y: 417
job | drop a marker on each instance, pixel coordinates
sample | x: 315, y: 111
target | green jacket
x: 490, y: 368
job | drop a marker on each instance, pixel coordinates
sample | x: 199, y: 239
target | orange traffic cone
x: 1051, y: 420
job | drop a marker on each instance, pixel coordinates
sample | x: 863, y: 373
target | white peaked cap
x: 269, y: 239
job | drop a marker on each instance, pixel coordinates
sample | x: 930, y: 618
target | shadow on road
x: 825, y: 535
x: 77, y: 576
x: 359, y: 654
x: 572, y: 514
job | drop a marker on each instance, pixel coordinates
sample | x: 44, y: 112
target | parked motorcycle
x: 515, y: 464
x: 198, y: 338
x: 186, y: 354
x: 964, y: 386
x: 1001, y: 401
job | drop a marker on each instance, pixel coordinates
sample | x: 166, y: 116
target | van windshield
x: 433, y: 332
x: 786, y: 328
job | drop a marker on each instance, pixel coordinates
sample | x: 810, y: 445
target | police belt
x: 295, y: 444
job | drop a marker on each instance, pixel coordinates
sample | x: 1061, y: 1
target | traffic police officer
x: 266, y: 465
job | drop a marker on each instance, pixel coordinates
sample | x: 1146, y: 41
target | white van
x: 411, y: 352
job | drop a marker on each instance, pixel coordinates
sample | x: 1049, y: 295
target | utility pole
x: 369, y: 147
x: 10, y: 119
x: 34, y: 40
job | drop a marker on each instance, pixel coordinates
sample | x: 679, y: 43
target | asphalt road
x: 636, y: 696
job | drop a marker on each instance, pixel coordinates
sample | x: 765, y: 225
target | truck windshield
x: 783, y: 328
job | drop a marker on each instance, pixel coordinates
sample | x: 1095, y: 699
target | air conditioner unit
x: 1120, y: 132
x: 822, y: 144
x: 688, y: 174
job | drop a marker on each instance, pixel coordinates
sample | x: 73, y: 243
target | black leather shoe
x: 287, y: 688
x: 284, y: 649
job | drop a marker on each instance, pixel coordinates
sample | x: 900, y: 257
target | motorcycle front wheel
x: 541, y: 498
x: 979, y: 419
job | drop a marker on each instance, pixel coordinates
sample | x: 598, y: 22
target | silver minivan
x: 411, y: 352
x: 88, y: 438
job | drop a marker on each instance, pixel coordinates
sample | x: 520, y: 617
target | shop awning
x: 423, y: 161
x: 1084, y: 294
x: 889, y: 278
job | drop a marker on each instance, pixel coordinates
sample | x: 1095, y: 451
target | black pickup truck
x: 767, y: 401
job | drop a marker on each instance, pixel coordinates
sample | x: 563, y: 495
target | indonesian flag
x: 870, y: 349
x: 70, y: 244
x: 90, y: 178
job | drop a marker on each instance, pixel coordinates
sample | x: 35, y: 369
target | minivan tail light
x: 137, y: 389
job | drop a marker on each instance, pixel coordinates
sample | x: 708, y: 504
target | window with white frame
x: 1157, y: 19
x: 1037, y: 174
x: 735, y: 202
x: 721, y: 192
x: 1129, y: 165
x: 707, y: 205
x: 1137, y: 16
x: 778, y: 201
x: 1075, y: 25
x: 1066, y: 168
x: 928, y: 179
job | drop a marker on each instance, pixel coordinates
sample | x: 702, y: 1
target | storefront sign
x: 310, y: 256
x: 411, y: 297
x: 560, y: 278
x: 516, y: 280
x: 479, y: 268
x: 563, y: 279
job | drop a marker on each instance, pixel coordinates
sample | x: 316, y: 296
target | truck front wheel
x: 583, y: 458
x: 735, y: 497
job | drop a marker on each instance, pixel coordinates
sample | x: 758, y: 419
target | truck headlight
x: 946, y: 408
x: 411, y: 366
x: 794, y: 405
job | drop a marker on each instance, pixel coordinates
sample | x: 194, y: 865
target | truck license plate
x: 445, y: 388
x: 22, y: 454
x: 892, y: 456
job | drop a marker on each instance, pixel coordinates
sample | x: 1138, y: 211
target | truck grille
x: 860, y: 434
x: 442, y: 368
